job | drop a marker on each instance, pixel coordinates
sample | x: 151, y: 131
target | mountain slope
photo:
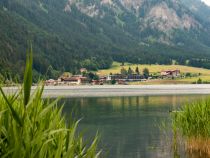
x: 69, y: 34
x: 155, y: 20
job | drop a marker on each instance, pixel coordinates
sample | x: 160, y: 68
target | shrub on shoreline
x: 31, y: 127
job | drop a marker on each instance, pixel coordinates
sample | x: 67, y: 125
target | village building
x: 97, y: 82
x: 116, y: 77
x: 83, y: 70
x: 131, y: 77
x: 170, y: 73
x: 103, y: 78
x: 51, y: 82
x: 121, y: 82
x: 134, y: 77
x: 74, y: 80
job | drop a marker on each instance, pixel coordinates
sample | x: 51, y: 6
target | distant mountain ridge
x: 138, y: 17
x: 69, y: 34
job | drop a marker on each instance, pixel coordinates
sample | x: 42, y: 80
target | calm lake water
x: 129, y: 126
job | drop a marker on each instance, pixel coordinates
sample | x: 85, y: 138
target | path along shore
x: 119, y: 90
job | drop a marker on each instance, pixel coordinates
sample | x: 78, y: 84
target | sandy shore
x: 120, y: 90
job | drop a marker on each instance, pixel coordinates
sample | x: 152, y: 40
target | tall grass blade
x: 68, y: 136
x: 48, y: 108
x: 28, y: 77
x: 2, y: 112
x: 14, y: 113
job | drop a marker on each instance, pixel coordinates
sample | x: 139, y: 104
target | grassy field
x: 204, y: 73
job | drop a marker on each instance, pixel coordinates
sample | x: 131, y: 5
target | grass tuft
x: 193, y: 123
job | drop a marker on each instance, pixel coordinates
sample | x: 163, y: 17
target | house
x: 83, y: 70
x: 170, y: 73
x: 50, y: 82
x: 121, y: 82
x: 74, y: 80
x: 97, y: 82
x: 134, y: 77
x: 116, y: 77
x: 103, y: 78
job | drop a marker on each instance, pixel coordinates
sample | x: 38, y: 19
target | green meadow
x: 203, y: 74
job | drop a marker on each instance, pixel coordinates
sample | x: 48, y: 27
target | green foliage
x: 199, y: 81
x: 89, y: 64
x: 188, y: 74
x: 130, y: 71
x: 52, y: 73
x: 123, y: 71
x: 55, y: 42
x: 67, y: 41
x: 2, y: 79
x: 113, y: 81
x: 96, y: 77
x: 38, y: 129
x: 193, y: 120
x: 204, y: 63
x: 146, y: 72
x: 28, y: 78
x: 92, y: 76
x: 137, y: 70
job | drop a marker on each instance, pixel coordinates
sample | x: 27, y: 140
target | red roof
x: 171, y: 71
x: 73, y: 78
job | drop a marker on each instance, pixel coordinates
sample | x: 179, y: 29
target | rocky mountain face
x: 138, y: 17
x: 69, y: 34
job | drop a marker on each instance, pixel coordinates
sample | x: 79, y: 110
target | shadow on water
x: 129, y: 125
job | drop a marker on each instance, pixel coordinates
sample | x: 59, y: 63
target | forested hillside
x: 69, y: 34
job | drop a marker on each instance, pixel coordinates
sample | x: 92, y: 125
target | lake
x: 129, y: 127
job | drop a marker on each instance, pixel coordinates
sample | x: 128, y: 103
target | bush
x: 113, y: 82
x: 146, y: 72
x: 31, y: 127
x: 199, y: 81
x: 188, y: 74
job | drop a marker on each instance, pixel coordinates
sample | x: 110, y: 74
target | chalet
x: 103, y: 78
x: 121, y: 82
x: 83, y: 70
x: 97, y: 82
x: 170, y: 73
x: 74, y: 80
x: 50, y: 82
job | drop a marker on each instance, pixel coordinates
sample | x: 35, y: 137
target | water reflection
x: 128, y: 125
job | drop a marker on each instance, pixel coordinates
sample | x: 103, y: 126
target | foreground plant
x: 31, y: 127
x: 193, y: 123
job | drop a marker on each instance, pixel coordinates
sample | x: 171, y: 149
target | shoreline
x: 119, y: 90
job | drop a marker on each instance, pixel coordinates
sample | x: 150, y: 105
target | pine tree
x: 146, y: 72
x: 123, y: 71
x: 130, y: 71
x: 137, y: 70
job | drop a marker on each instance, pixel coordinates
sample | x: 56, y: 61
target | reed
x: 31, y: 127
x: 193, y: 123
